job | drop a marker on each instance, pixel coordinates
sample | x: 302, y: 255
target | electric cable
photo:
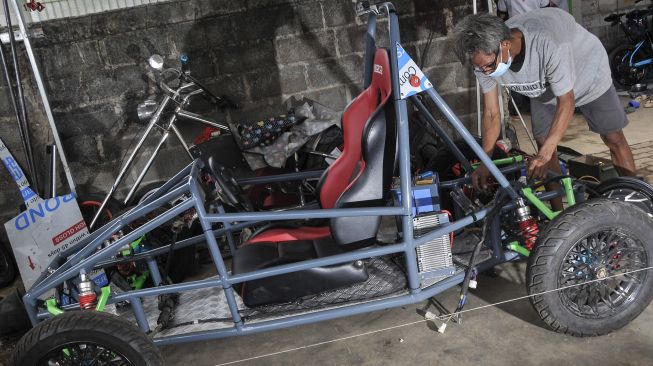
x: 441, y: 317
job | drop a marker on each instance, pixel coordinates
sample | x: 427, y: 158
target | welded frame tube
x: 191, y: 184
x: 443, y: 134
x: 146, y: 168
x: 153, y: 121
x: 469, y: 139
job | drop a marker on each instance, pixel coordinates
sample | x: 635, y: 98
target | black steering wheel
x: 229, y: 190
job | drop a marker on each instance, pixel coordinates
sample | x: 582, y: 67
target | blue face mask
x: 501, y: 66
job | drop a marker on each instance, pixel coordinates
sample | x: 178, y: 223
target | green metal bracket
x: 132, y: 246
x: 51, y: 305
x: 515, y: 247
x: 137, y: 282
x: 504, y: 161
x: 569, y: 191
x: 104, y: 297
x: 532, y: 198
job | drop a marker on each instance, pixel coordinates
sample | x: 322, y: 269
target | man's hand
x: 538, y: 165
x: 479, y: 178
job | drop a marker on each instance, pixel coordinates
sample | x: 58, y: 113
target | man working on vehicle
x: 545, y: 55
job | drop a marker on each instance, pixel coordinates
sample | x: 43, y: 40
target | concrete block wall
x: 594, y: 12
x: 259, y: 52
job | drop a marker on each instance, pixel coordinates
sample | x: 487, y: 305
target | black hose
x: 468, y: 274
x: 169, y: 258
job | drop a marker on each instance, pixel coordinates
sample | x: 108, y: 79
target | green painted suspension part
x: 104, y: 297
x: 132, y: 246
x: 532, y: 198
x: 51, y: 305
x: 515, y: 247
x: 504, y: 161
x: 569, y: 191
x: 137, y: 282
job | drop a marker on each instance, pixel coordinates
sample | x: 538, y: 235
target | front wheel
x: 588, y: 275
x: 622, y: 73
x: 86, y: 338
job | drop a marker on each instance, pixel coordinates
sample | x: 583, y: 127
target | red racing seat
x: 360, y: 177
x: 339, y: 175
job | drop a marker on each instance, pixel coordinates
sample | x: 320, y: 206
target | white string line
x: 442, y: 317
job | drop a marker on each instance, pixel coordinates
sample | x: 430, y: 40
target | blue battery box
x: 424, y: 192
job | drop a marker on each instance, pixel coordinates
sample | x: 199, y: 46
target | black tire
x: 623, y: 75
x: 86, y: 327
x: 628, y: 189
x: 7, y: 268
x: 548, y: 263
x: 89, y: 205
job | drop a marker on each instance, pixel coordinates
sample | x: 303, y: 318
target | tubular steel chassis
x: 87, y: 255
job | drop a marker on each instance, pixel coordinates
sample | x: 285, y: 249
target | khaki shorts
x: 604, y: 115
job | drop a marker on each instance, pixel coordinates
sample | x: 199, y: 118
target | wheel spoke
x: 606, y: 297
x: 634, y: 278
x: 604, y: 253
x: 620, y: 291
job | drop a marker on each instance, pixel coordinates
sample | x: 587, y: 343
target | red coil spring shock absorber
x: 527, y: 225
x: 87, y: 297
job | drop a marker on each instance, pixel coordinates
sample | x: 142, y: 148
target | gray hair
x: 478, y: 33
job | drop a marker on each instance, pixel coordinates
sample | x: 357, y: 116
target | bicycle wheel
x: 622, y: 73
x: 89, y: 205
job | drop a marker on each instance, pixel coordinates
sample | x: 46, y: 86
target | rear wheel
x: 623, y: 74
x: 86, y: 338
x: 587, y: 275
x: 628, y: 189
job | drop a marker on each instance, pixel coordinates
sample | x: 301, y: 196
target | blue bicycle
x: 631, y: 63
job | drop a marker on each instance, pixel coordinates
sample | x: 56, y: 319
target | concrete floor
x: 506, y: 334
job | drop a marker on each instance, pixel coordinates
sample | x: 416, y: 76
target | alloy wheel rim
x: 602, y: 257
x: 85, y: 354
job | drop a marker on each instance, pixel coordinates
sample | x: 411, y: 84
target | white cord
x: 442, y: 317
x: 523, y: 123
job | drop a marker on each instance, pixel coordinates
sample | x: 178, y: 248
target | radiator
x: 433, y: 257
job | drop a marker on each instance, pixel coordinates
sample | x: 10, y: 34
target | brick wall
x: 593, y: 13
x: 259, y: 52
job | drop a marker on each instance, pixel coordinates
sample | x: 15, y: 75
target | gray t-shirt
x: 560, y: 55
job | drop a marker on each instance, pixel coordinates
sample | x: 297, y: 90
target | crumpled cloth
x: 317, y: 119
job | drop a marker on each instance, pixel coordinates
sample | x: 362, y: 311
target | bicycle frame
x: 87, y: 255
x: 638, y: 46
x: 168, y: 127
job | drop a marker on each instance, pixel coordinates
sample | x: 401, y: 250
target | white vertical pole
x: 44, y: 97
x: 478, y: 91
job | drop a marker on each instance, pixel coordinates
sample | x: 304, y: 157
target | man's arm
x: 491, y: 129
x: 564, y: 112
x: 491, y: 120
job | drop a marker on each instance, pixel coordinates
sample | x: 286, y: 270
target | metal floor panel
x: 207, y: 309
x: 202, y: 306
